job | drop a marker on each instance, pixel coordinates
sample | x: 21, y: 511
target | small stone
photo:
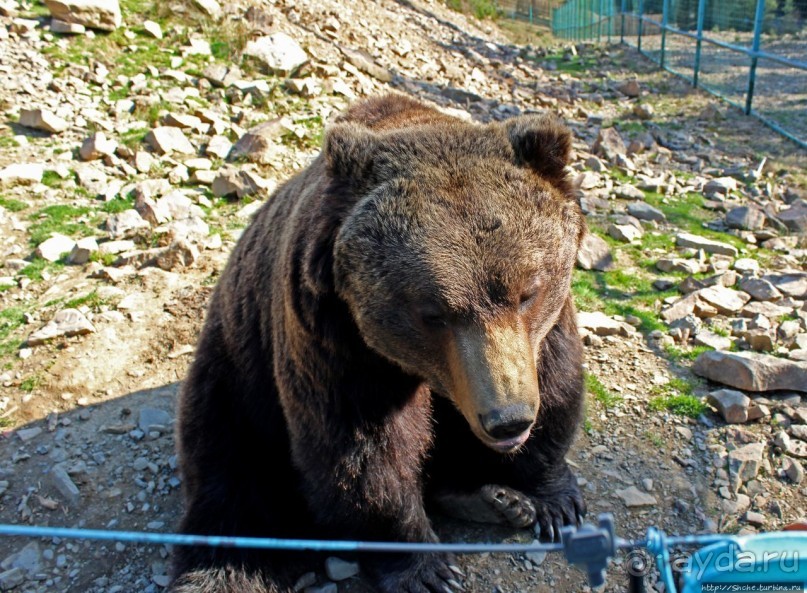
x: 760, y: 289
x: 324, y: 588
x: 168, y: 140
x: 67, y: 323
x: 63, y: 484
x: 731, y: 405
x: 365, y: 62
x: 27, y: 434
x: 124, y: 223
x: 793, y: 470
x: 180, y: 254
x: 708, y: 245
x: 725, y: 300
x: 41, y: 119
x: 721, y: 186
x: 153, y: 29
x: 64, y: 28
x: 96, y: 14
x: 339, y: 570
x: 609, y: 144
x: 744, y: 463
x: 746, y: 265
x: 594, y: 254
x: 307, y: 580
x: 282, y: 54
x: 644, y: 111
x: 624, y: 232
x: 795, y: 217
x: 754, y: 518
x: 644, y: 211
x: 22, y: 173
x: 600, y: 324
x: 628, y: 192
x: 218, y: 147
x: 10, y: 579
x: 97, y: 146
x: 258, y: 144
x: 151, y: 419
x: 54, y: 248
x: 712, y: 340
x: 210, y: 7
x: 635, y: 498
x: 630, y: 88
x: 749, y: 218
x: 237, y: 182
x: 82, y: 250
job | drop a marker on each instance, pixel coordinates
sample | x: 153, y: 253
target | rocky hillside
x: 138, y: 139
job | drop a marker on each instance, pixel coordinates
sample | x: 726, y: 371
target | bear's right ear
x: 540, y: 142
x: 349, y: 149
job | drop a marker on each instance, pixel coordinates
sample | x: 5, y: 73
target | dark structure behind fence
x: 751, y: 53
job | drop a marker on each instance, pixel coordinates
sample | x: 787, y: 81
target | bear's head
x: 453, y: 249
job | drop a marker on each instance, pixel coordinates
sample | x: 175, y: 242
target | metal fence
x: 751, y: 53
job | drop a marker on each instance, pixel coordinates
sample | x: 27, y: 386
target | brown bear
x: 394, y: 326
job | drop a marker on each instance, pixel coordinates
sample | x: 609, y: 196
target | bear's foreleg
x: 365, y: 483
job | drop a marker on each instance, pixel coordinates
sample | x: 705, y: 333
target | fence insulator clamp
x: 591, y: 548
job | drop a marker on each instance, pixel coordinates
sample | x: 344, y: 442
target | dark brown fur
x: 329, y: 387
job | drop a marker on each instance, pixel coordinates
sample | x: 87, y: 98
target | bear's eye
x: 529, y: 295
x: 433, y: 319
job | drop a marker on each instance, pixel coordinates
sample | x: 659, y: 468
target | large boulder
x: 96, y: 14
x: 752, y: 372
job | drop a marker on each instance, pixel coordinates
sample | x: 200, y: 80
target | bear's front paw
x: 424, y: 574
x: 564, y: 508
x: 515, y: 508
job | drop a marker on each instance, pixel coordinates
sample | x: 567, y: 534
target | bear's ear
x: 349, y: 149
x: 541, y: 142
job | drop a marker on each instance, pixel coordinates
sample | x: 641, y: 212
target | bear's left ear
x: 541, y: 142
x: 349, y: 149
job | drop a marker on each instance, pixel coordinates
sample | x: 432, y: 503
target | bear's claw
x: 426, y: 574
x: 513, y: 506
x: 565, y: 508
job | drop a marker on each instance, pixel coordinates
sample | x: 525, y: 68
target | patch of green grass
x: 11, y: 318
x: 8, y: 141
x: 678, y: 354
x: 481, y: 9
x: 30, y: 383
x: 655, y: 439
x: 35, y: 270
x: 133, y: 138
x: 600, y: 392
x: 52, y: 179
x: 12, y: 205
x: 630, y: 127
x: 106, y: 259
x: 61, y: 218
x: 118, y: 205
x: 618, y: 293
x: 688, y: 214
x: 91, y: 300
x: 683, y: 405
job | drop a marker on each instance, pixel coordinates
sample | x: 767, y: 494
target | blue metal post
x: 665, y: 11
x: 599, y: 20
x: 641, y: 25
x: 530, y: 12
x: 622, y: 22
x: 752, y: 73
x: 699, y: 41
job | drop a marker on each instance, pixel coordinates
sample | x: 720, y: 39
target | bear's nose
x: 507, y: 423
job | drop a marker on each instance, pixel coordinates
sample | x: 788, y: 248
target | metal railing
x: 749, y: 53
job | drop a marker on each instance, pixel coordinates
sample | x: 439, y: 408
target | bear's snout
x: 494, y: 383
x: 506, y: 424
